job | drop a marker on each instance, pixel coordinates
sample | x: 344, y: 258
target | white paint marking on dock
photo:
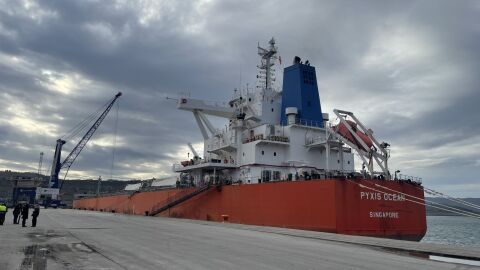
x: 453, y: 260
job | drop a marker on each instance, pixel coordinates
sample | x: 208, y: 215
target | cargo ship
x: 281, y: 162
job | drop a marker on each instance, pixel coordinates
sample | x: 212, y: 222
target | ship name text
x: 377, y: 196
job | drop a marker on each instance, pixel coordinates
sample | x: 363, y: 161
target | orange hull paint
x: 332, y: 205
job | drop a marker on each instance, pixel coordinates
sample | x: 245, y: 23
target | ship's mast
x: 267, y: 72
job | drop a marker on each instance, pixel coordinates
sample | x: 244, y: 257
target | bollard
x: 224, y: 218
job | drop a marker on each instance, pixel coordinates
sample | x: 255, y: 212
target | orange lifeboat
x: 365, y: 139
x: 343, y: 130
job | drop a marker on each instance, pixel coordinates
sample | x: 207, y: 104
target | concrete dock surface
x: 72, y: 239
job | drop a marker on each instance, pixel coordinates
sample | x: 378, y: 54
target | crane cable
x: 114, y: 140
x: 81, y: 126
x: 87, y: 121
x: 64, y: 177
x: 442, y: 205
x: 417, y: 202
x: 84, y: 123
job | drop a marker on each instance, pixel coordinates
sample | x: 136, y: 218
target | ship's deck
x: 73, y: 239
x: 206, y: 165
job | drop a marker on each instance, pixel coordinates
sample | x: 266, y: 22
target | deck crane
x: 194, y: 153
x: 67, y: 163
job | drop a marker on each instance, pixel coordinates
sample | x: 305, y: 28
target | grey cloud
x: 205, y: 50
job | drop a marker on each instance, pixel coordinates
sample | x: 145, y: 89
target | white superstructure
x: 257, y: 146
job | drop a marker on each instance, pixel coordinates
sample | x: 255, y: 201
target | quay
x: 74, y: 239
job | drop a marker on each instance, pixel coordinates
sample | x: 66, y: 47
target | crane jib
x: 67, y: 163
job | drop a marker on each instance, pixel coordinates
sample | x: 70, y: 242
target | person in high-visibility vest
x: 3, y: 212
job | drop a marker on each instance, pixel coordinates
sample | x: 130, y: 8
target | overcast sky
x: 408, y: 69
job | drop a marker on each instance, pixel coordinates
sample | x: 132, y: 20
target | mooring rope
x: 429, y: 201
x: 417, y: 202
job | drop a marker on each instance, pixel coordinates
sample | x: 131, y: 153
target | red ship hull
x: 333, y: 205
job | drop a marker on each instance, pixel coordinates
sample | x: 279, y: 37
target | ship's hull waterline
x: 345, y: 206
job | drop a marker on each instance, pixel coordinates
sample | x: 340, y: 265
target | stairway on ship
x: 179, y: 200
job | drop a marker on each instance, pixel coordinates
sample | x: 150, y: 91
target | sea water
x: 453, y: 230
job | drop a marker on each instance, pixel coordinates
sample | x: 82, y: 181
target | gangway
x: 180, y: 200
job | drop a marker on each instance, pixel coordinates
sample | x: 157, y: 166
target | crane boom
x: 67, y: 163
x: 195, y: 154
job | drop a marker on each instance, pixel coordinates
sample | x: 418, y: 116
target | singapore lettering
x: 384, y: 214
x: 377, y: 196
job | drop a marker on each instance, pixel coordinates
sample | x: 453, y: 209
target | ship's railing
x: 177, y: 166
x: 403, y: 177
x: 379, y: 175
x: 319, y: 174
x: 272, y: 138
x: 305, y: 122
x: 314, y: 140
x: 222, y: 142
x: 187, y: 163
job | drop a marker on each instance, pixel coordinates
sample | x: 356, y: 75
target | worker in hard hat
x: 36, y: 212
x: 3, y: 212
x: 25, y: 214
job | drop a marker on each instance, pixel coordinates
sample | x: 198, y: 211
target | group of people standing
x: 20, y: 211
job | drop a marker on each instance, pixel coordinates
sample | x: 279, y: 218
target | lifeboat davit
x: 343, y: 130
